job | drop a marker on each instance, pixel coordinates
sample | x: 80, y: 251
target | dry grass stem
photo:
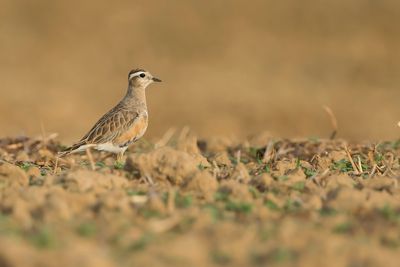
x: 148, y: 179
x: 356, y: 171
x: 165, y: 138
x: 184, y: 133
x: 374, y: 168
x: 238, y: 156
x: 56, y: 165
x: 333, y: 121
x: 359, y: 164
x: 269, y: 152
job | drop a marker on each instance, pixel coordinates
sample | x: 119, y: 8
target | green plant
x: 240, y: 207
x: 343, y: 228
x: 86, y: 229
x: 299, y: 186
x: 342, y: 165
x: 119, y: 165
x: 271, y: 205
x: 26, y: 165
x: 42, y: 238
x: 183, y: 201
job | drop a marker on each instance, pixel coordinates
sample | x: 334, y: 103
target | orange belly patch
x: 134, y: 132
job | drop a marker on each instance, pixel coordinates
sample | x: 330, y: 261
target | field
x: 232, y: 68
x: 258, y: 180
x: 183, y: 201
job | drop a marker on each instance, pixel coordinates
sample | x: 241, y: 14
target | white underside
x: 109, y: 147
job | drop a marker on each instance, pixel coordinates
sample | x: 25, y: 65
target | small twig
x: 283, y: 151
x: 149, y: 179
x: 317, y: 178
x: 268, y: 154
x: 359, y: 164
x: 238, y: 156
x: 90, y: 157
x: 385, y: 173
x: 216, y: 169
x: 389, y: 163
x: 381, y: 168
x: 356, y: 171
x: 373, y: 170
x: 56, y: 165
x: 333, y: 120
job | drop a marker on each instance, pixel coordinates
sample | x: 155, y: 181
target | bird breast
x: 135, y: 131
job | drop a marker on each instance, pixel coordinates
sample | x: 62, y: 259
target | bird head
x: 141, y: 78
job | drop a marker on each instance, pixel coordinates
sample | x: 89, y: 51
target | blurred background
x: 229, y: 67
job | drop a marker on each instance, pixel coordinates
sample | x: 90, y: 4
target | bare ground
x: 216, y: 202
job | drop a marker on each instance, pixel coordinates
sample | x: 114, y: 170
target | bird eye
x: 142, y: 75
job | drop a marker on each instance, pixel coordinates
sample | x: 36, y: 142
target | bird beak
x: 156, y: 79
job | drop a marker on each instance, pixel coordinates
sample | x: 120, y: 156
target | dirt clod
x: 164, y: 165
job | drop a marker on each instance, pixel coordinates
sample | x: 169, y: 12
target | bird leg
x: 90, y: 157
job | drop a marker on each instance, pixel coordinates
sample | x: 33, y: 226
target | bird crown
x: 133, y: 73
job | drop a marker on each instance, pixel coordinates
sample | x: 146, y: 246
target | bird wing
x: 109, y: 127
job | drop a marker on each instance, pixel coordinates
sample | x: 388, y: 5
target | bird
x: 124, y: 124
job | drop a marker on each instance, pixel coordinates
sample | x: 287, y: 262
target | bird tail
x: 67, y: 151
x: 72, y: 149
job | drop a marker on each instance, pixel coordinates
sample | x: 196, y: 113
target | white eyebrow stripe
x: 135, y: 74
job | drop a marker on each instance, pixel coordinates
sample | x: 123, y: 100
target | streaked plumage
x: 122, y: 125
